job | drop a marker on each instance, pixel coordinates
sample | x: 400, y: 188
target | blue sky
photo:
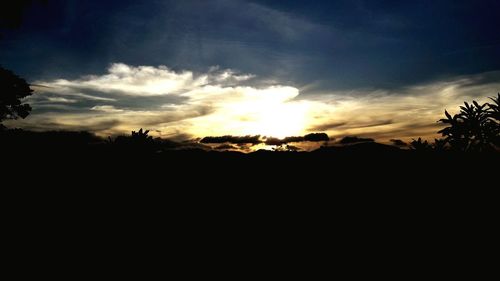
x: 322, y: 48
x: 336, y: 44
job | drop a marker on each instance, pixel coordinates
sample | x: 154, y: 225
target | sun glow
x: 278, y: 120
x: 248, y: 111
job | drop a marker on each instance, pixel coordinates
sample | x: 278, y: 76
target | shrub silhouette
x: 473, y: 129
x: 12, y: 90
x: 439, y: 145
x: 493, y: 122
x: 138, y: 141
x: 420, y: 145
x: 141, y: 136
x: 493, y: 109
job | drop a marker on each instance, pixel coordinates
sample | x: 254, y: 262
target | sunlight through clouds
x: 224, y: 102
x: 194, y: 104
x: 248, y: 111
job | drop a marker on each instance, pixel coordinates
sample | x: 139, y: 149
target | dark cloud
x: 316, y: 137
x: 406, y: 130
x: 274, y: 141
x: 49, y: 125
x: 350, y: 125
x: 354, y: 139
x: 147, y: 103
x: 244, y: 140
x: 85, y: 98
x: 226, y: 147
x: 233, y: 139
x: 277, y: 141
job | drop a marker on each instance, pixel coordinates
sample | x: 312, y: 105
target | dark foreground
x: 79, y: 158
x: 362, y: 210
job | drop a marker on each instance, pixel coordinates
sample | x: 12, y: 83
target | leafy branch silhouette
x: 13, y: 89
x: 475, y: 128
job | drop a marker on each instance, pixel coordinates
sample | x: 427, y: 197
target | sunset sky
x: 193, y: 68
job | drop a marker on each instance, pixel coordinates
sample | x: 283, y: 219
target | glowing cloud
x: 169, y: 102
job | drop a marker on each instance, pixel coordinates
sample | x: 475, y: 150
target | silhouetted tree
x: 439, y: 145
x: 494, y: 121
x: 12, y: 90
x: 473, y: 129
x: 494, y: 108
x: 137, y: 142
x: 420, y: 145
x: 141, y: 136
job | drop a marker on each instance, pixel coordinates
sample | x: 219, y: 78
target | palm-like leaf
x: 473, y: 128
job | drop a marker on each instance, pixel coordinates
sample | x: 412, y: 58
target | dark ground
x: 86, y: 158
x: 360, y: 210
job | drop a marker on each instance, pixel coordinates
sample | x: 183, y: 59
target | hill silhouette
x: 372, y: 157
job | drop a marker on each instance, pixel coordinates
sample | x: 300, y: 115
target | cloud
x: 226, y: 147
x: 354, y: 139
x: 347, y: 125
x: 60, y: 100
x: 106, y: 108
x: 134, y: 81
x: 403, y: 113
x: 50, y: 124
x: 314, y: 137
x: 252, y: 143
x: 169, y: 102
x: 278, y: 141
x: 232, y: 139
x: 228, y: 76
x: 328, y: 126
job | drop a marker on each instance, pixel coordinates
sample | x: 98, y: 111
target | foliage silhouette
x: 138, y: 142
x: 141, y: 136
x: 12, y: 90
x: 493, y: 109
x: 474, y: 129
x: 420, y: 145
x: 493, y: 113
x: 439, y: 145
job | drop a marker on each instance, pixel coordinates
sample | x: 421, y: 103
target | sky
x: 192, y: 68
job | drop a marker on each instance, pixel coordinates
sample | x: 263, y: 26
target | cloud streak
x: 405, y: 113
